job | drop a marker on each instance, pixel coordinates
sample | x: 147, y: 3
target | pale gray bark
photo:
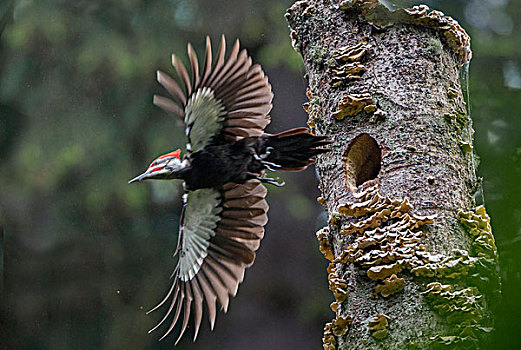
x: 401, y: 128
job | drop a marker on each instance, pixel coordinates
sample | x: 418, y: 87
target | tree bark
x: 413, y: 260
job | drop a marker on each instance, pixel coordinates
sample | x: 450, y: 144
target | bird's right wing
x: 220, y: 231
x: 229, y: 100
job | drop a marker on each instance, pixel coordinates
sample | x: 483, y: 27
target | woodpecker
x: 225, y: 108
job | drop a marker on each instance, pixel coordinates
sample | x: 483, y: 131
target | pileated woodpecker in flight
x: 225, y: 109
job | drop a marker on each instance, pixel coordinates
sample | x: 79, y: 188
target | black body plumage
x: 235, y: 162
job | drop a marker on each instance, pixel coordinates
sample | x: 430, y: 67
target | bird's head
x: 163, y: 167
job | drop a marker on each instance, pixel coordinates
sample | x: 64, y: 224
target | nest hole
x: 361, y: 161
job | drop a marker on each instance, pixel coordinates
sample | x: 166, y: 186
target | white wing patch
x: 200, y: 219
x: 204, y: 115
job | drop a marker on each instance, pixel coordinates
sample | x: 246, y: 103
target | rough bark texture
x: 412, y: 258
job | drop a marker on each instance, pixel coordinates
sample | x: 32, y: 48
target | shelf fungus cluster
x: 462, y: 264
x: 453, y: 35
x: 336, y: 284
x: 336, y: 328
x: 462, y: 308
x: 348, y: 63
x: 477, y: 224
x: 386, y: 239
x: 462, y: 303
x: 339, y: 325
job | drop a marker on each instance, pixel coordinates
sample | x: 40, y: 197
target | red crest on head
x: 176, y: 153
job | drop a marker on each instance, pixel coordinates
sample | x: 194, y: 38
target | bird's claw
x: 271, y: 181
x: 268, y: 165
x: 267, y: 153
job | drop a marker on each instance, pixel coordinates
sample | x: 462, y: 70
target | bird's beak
x: 139, y: 178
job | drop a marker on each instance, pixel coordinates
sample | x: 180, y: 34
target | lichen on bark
x: 413, y: 261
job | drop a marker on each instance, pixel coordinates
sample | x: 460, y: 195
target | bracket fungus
x: 339, y: 325
x: 456, y: 118
x: 453, y: 35
x: 352, y: 53
x: 336, y: 284
x: 452, y: 93
x: 328, y: 339
x: 383, y: 271
x: 325, y: 245
x: 390, y: 285
x: 336, y: 328
x: 456, y: 266
x: 477, y: 225
x: 348, y: 65
x: 353, y: 104
x: 347, y: 72
x: 378, y: 326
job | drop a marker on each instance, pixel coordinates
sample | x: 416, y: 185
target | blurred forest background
x: 85, y: 254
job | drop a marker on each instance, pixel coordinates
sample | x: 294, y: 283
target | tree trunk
x: 413, y: 260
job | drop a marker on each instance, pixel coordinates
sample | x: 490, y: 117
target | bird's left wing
x: 230, y: 98
x: 220, y: 231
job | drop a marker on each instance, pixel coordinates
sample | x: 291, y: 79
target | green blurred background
x: 85, y: 254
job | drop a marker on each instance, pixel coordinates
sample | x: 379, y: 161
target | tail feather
x: 294, y: 149
x: 294, y: 131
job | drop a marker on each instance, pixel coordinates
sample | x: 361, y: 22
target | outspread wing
x: 220, y: 231
x: 228, y: 100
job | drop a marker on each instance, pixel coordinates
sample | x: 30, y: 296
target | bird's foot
x: 268, y: 165
x: 271, y: 181
x: 267, y: 153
